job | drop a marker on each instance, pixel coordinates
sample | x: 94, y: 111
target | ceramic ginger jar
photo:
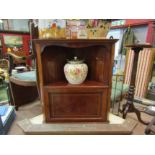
x: 75, y: 71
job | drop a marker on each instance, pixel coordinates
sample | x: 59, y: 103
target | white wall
x: 140, y: 33
x: 117, y: 34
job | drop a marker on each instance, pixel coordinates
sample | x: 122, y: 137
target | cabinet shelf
x: 86, y: 84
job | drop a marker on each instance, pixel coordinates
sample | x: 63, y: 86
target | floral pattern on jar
x: 75, y: 71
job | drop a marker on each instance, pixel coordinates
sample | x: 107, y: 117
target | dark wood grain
x: 75, y: 42
x: 129, y: 106
x: 63, y: 102
x: 22, y: 94
x: 139, y: 45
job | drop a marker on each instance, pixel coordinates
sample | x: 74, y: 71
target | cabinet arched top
x: 73, y: 43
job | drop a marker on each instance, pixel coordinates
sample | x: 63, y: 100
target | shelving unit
x: 63, y: 102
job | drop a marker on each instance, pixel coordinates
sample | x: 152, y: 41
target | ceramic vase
x: 75, y: 71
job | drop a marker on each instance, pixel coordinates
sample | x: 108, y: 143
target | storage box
x: 52, y: 28
x: 98, y: 31
x: 73, y: 29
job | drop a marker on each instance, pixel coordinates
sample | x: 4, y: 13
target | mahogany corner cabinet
x: 64, y: 102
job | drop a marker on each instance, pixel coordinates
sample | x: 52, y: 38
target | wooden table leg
x: 148, y: 128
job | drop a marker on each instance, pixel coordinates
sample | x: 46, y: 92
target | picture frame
x: 13, y: 40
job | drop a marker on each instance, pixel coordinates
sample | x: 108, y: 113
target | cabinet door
x: 76, y: 105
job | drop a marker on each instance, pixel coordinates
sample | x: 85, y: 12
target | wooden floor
x: 34, y: 109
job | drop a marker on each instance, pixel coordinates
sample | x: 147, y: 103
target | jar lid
x: 75, y: 61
